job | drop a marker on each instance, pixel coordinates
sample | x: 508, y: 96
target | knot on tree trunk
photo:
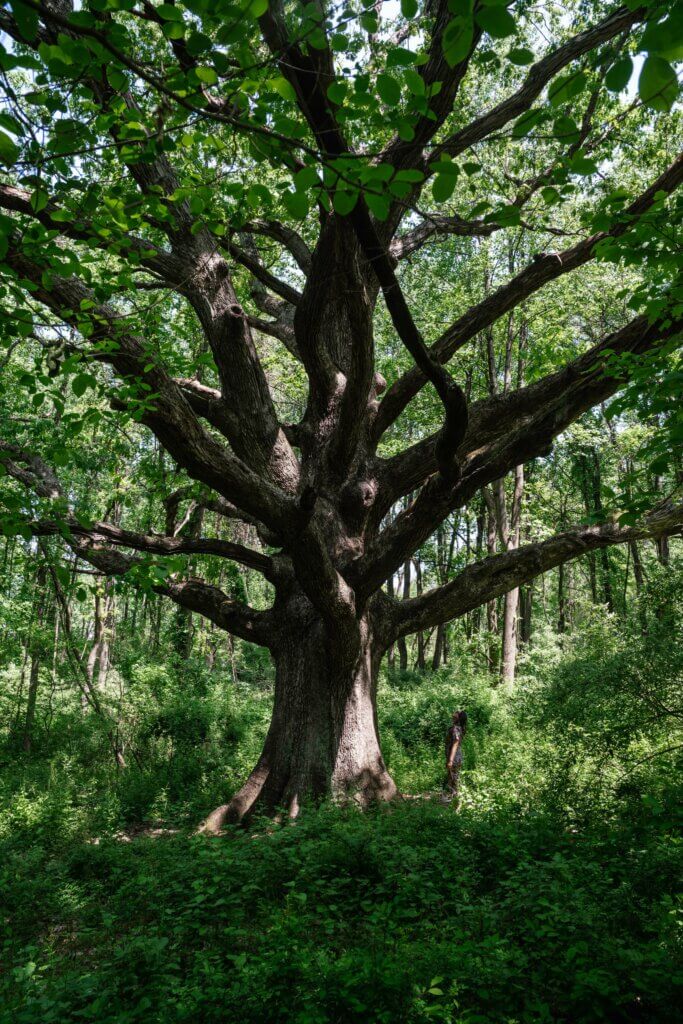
x: 356, y: 500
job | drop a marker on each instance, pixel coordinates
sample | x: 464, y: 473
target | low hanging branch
x: 499, y: 574
x: 98, y: 545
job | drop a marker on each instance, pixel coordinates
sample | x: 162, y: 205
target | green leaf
x: 566, y: 129
x: 409, y: 175
x: 198, y: 43
x: 414, y: 81
x: 169, y: 13
x: 82, y: 382
x: 60, y: 457
x: 457, y: 39
x: 173, y: 30
x: 306, y: 178
x: 665, y: 38
x: 582, y: 165
x: 116, y: 78
x: 344, y: 201
x: 443, y: 186
x: 39, y: 200
x: 521, y: 56
x: 505, y: 216
x: 446, y: 165
x: 206, y: 75
x: 658, y: 84
x: 257, y: 8
x: 259, y: 196
x: 379, y: 205
x: 388, y: 89
x: 26, y: 19
x: 408, y: 8
x: 283, y: 88
x: 628, y: 519
x: 565, y: 88
x: 296, y: 204
x: 336, y: 92
x: 619, y: 75
x: 526, y: 123
x: 497, y: 21
x: 400, y: 57
x: 368, y: 21
x: 317, y: 39
x: 9, y: 151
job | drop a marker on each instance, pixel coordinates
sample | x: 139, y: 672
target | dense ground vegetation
x: 551, y: 895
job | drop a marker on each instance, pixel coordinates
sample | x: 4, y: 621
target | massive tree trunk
x: 323, y: 738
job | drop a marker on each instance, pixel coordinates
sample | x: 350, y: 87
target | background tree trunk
x: 36, y: 647
x: 401, y: 643
x: 509, y: 651
x: 421, y: 663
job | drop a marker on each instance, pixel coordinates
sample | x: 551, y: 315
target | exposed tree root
x: 283, y: 802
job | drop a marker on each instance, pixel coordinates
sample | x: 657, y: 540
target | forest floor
x: 551, y: 895
x: 413, y: 914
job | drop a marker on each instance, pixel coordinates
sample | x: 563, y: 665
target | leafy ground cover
x: 550, y: 895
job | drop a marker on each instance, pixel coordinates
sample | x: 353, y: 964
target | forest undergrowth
x: 550, y: 894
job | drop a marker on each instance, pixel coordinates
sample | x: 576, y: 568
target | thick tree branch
x: 158, y: 544
x: 208, y: 403
x: 494, y: 576
x: 280, y: 329
x: 166, y: 265
x: 404, y: 154
x: 211, y: 602
x: 310, y: 75
x: 166, y: 411
x: 572, y: 389
x: 438, y: 224
x: 506, y: 431
x: 537, y: 78
x: 286, y: 236
x: 258, y: 439
x: 256, y: 268
x: 193, y: 594
x: 87, y: 543
x: 545, y: 268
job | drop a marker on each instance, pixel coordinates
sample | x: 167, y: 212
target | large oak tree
x: 158, y: 155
